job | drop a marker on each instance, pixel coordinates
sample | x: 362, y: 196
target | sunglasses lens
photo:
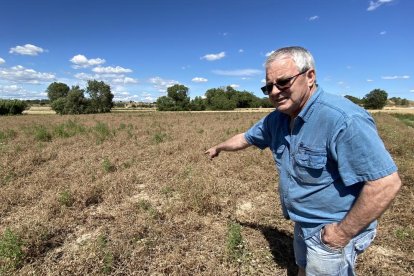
x: 282, y: 83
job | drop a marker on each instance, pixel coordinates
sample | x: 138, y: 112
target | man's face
x: 291, y: 100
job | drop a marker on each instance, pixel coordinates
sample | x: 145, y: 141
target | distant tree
x: 179, y: 94
x: 376, y: 99
x: 100, y: 97
x: 75, y: 102
x: 165, y: 103
x: 57, y: 90
x: 405, y: 102
x: 353, y: 99
x: 198, y: 104
x: 58, y: 105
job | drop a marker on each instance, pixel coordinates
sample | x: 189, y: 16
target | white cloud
x: 18, y: 92
x: 108, y: 78
x: 161, y: 84
x: 235, y: 86
x: 28, y: 49
x: 369, y: 80
x: 241, y: 51
x: 199, y: 79
x: 19, y: 74
x: 383, y: 33
x: 412, y: 90
x: 125, y: 80
x: 238, y: 73
x: 2, y: 61
x: 269, y: 53
x: 80, y: 61
x: 374, y: 5
x: 212, y: 57
x: 312, y: 18
x: 405, y: 77
x: 109, y: 70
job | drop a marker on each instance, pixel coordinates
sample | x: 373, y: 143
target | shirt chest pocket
x: 310, y: 165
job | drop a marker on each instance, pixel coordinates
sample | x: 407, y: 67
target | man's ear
x: 311, y: 77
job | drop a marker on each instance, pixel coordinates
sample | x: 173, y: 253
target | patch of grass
x: 160, y: 137
x: 42, y: 134
x: 107, y: 255
x: 146, y: 206
x: 66, y: 198
x: 69, y: 129
x: 404, y: 233
x: 108, y: 166
x: 11, y: 253
x: 7, y: 134
x: 102, y: 132
x: 167, y: 191
x: 406, y: 118
x: 234, y: 241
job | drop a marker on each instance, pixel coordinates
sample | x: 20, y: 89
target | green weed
x: 11, y: 253
x: 42, y: 134
x: 107, y: 255
x: 108, y: 166
x: 146, y: 206
x: 404, y: 233
x: 66, y: 198
x: 7, y: 134
x: 234, y: 241
x: 69, y: 129
x: 406, y: 118
x: 102, y: 132
x: 160, y: 137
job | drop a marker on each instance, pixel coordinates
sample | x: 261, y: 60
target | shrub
x: 42, y: 134
x: 12, y: 107
x: 11, y: 254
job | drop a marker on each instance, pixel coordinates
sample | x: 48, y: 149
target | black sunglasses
x: 281, y: 84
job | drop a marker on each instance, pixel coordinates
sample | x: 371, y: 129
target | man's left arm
x: 375, y: 197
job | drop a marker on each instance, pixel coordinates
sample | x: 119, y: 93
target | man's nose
x: 274, y: 90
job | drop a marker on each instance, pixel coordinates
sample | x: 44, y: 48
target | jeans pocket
x: 364, y: 240
x: 327, y: 247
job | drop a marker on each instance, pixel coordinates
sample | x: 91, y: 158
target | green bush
x: 12, y: 107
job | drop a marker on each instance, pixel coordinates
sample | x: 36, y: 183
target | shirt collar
x: 307, y: 110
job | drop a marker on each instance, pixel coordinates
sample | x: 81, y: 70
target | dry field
x: 133, y: 194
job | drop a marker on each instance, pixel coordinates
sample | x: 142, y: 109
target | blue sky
x: 141, y: 47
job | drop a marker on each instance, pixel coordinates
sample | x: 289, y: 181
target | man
x: 336, y: 177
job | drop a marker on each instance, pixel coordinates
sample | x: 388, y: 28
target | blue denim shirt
x: 323, y: 162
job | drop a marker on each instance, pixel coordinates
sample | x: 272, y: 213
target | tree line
x: 377, y: 99
x: 65, y: 100
x: 223, y: 98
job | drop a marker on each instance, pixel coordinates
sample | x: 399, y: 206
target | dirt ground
x: 134, y: 194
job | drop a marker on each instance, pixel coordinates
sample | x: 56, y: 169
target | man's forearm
x: 237, y: 142
x: 375, y: 198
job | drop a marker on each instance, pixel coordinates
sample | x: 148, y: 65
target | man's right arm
x: 237, y: 142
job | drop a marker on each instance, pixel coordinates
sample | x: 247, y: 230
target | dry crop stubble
x: 133, y: 193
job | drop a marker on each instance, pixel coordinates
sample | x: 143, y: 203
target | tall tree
x: 179, y: 94
x: 101, y: 96
x: 376, y: 99
x: 57, y: 90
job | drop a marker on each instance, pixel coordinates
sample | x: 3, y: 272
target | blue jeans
x: 319, y: 259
